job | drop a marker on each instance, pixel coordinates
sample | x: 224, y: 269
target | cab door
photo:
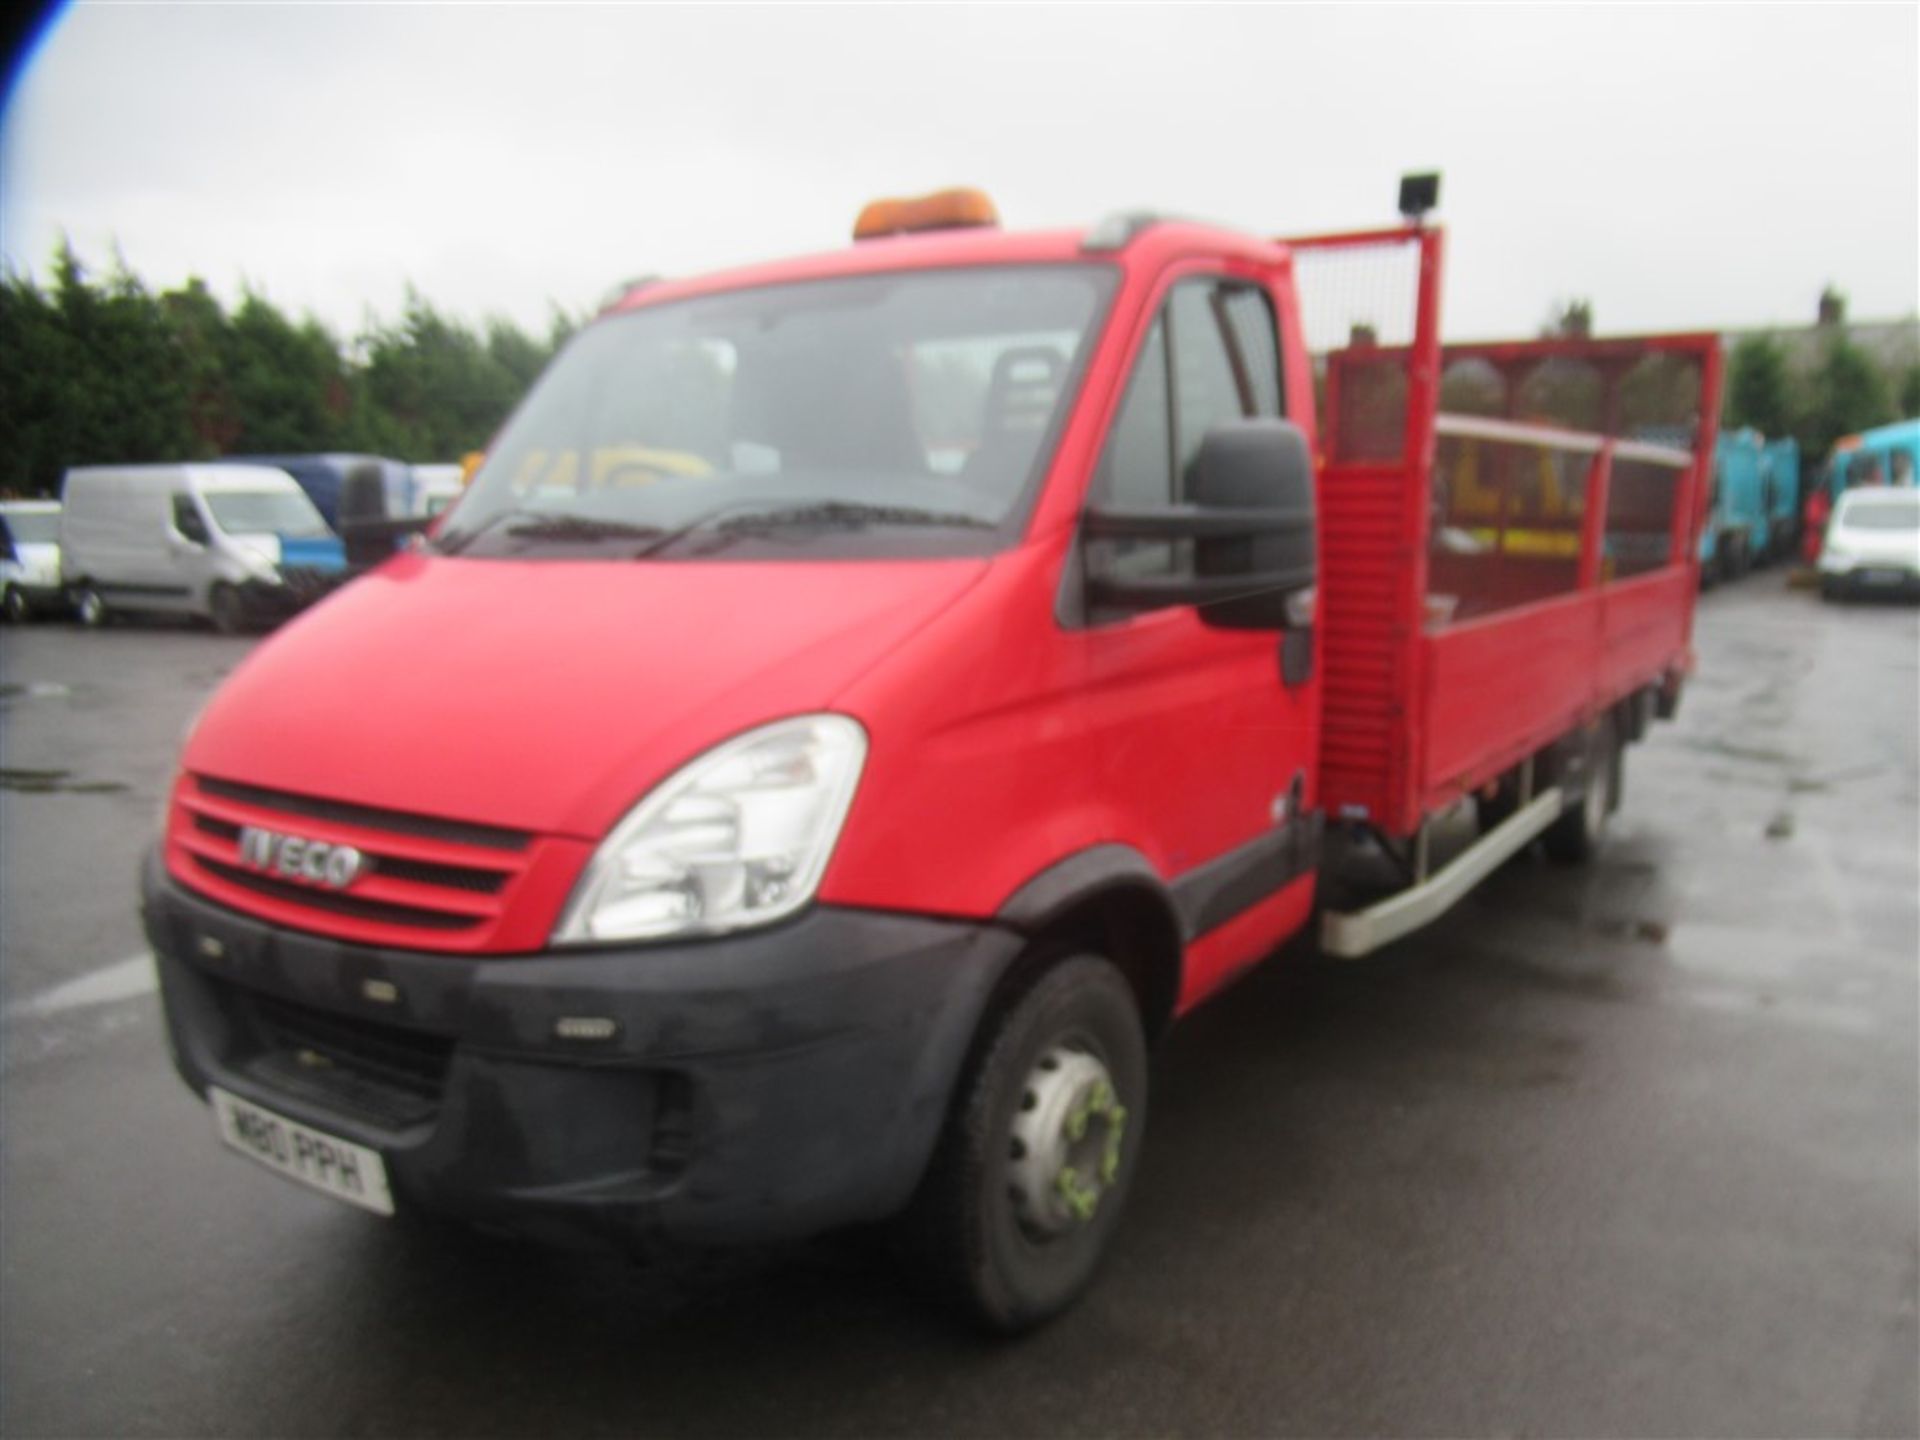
x: 1200, y: 744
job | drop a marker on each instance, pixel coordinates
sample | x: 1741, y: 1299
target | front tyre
x: 224, y: 606
x: 90, y: 607
x: 1039, y: 1149
x: 15, y: 605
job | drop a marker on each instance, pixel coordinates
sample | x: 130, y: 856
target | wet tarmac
x: 1629, y: 1150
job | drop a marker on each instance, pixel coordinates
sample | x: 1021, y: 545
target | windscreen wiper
x: 849, y: 515
x: 823, y: 515
x: 556, y: 525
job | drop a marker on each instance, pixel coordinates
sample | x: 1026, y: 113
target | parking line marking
x: 122, y: 980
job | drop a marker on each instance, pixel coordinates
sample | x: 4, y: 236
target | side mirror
x: 367, y: 533
x: 1257, y: 465
x: 1251, y: 522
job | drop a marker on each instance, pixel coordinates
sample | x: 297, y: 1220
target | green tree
x: 34, y: 374
x: 1758, y: 390
x: 1910, y: 393
x: 1846, y: 393
x: 203, y: 339
x: 288, y: 382
x: 105, y: 384
x: 432, y: 389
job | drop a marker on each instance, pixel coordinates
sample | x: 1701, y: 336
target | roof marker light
x: 962, y: 209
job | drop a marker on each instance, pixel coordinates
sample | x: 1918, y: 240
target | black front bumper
x: 757, y: 1087
x: 266, y: 604
x: 1866, y: 581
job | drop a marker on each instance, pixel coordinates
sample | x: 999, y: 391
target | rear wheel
x: 88, y: 605
x: 16, y: 606
x: 1031, y: 1171
x: 1575, y: 836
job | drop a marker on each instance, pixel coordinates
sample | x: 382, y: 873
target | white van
x: 436, y: 487
x: 235, y: 544
x: 29, y: 558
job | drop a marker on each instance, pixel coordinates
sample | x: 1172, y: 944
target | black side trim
x: 1215, y: 892
x: 1071, y: 880
x: 118, y: 589
x: 1201, y: 900
x: 490, y: 837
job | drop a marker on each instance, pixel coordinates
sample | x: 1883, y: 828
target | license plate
x: 337, y: 1167
x: 1884, y: 577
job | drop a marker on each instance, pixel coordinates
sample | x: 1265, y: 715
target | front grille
x: 385, y: 1074
x: 333, y: 902
x: 454, y: 877
x: 458, y: 832
x: 420, y: 875
x: 308, y: 583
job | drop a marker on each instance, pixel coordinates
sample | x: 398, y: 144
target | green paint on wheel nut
x: 1116, y: 1129
x: 1080, y: 1196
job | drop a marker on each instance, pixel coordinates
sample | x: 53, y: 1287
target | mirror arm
x: 1155, y: 592
x: 1193, y: 522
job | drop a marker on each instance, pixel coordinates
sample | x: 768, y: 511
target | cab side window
x: 186, y: 519
x: 1211, y: 356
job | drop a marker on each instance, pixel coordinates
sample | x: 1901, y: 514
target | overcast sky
x: 1682, y: 167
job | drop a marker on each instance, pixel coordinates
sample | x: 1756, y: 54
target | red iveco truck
x: 862, y: 701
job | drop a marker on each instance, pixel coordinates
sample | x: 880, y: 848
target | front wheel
x: 16, y: 606
x: 1033, y: 1166
x: 91, y: 609
x: 228, y: 614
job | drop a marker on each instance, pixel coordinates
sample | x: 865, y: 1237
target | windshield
x: 1881, y: 515
x: 32, y: 527
x: 265, y: 512
x: 900, y: 414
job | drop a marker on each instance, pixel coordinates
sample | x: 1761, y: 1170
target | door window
x: 186, y: 519
x: 1211, y: 356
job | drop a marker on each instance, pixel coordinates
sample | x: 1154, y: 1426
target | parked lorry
x: 1738, y: 533
x: 239, y: 545
x: 1780, y: 482
x: 800, y: 780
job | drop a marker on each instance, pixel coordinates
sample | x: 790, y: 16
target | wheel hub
x: 1067, y: 1142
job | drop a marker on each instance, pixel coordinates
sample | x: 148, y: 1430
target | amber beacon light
x: 942, y: 210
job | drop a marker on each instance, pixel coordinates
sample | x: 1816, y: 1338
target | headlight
x: 736, y: 838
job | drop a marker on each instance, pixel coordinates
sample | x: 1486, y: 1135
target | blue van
x: 1887, y: 455
x: 324, y: 476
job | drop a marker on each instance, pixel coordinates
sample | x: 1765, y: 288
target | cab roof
x: 1152, y: 243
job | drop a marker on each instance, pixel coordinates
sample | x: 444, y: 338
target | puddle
x: 1758, y: 754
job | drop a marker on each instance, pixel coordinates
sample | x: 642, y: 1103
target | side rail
x: 1559, y: 585
x: 1556, y: 570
